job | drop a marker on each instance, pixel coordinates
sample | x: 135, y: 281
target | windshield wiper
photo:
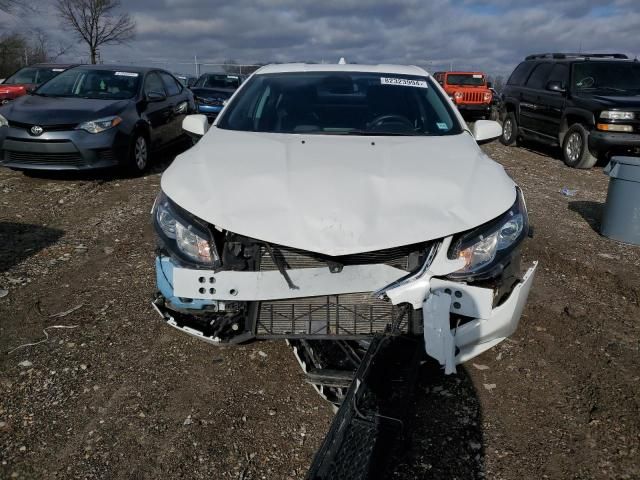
x: 370, y: 133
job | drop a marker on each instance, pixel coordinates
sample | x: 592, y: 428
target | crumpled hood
x: 339, y: 195
x: 36, y: 110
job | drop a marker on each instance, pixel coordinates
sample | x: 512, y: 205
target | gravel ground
x: 117, y: 394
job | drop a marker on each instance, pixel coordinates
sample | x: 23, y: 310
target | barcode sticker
x: 126, y: 74
x: 403, y: 82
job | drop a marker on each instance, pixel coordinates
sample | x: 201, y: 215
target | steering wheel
x: 386, y: 118
x: 586, y: 82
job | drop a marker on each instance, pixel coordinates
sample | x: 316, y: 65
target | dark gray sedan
x: 94, y: 117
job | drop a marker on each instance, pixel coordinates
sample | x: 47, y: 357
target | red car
x: 27, y: 79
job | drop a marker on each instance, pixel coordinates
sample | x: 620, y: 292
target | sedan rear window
x: 341, y: 103
x: 218, y: 81
x: 90, y: 83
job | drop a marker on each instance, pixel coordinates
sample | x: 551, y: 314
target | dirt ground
x: 117, y: 394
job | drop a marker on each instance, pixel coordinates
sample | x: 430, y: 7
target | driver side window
x: 153, y: 83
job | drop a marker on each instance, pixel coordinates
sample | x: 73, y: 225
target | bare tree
x: 96, y: 22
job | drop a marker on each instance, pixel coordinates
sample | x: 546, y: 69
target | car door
x: 179, y: 105
x: 551, y: 103
x: 530, y: 106
x: 157, y: 109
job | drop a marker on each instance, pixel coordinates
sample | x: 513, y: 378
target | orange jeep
x: 468, y: 90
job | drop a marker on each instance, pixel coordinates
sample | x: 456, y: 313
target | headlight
x: 100, y: 125
x: 3, y: 122
x: 486, y: 250
x: 184, y: 235
x: 458, y: 95
x: 487, y: 97
x: 615, y: 115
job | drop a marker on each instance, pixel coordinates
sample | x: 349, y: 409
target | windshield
x: 32, y: 75
x: 340, y: 103
x: 218, y: 81
x: 470, y: 80
x: 619, y: 77
x: 88, y: 83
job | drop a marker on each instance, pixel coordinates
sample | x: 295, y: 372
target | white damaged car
x: 331, y: 203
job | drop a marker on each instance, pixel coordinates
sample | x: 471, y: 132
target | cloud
x: 490, y: 35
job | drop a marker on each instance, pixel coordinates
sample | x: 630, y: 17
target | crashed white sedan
x: 331, y: 203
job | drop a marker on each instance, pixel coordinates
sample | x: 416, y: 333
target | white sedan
x: 331, y: 203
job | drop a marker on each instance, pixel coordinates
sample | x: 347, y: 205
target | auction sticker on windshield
x: 403, y: 82
x: 126, y: 74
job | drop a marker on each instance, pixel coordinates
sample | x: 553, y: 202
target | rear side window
x: 520, y: 74
x: 153, y: 83
x: 171, y: 84
x: 559, y: 73
x: 538, y: 77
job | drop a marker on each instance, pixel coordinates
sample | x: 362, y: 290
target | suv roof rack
x: 537, y: 56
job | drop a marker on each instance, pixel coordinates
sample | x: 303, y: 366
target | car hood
x: 339, y: 195
x: 37, y: 110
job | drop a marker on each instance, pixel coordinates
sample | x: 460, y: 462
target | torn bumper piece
x: 487, y: 327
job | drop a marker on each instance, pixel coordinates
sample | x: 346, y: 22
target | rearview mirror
x: 486, y: 130
x: 195, y: 125
x: 156, y: 97
x: 555, y: 86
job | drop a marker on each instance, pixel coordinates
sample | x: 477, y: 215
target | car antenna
x: 342, y: 61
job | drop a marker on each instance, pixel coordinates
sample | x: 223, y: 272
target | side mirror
x: 555, y: 86
x: 489, y: 84
x: 486, y: 130
x: 195, y: 125
x: 156, y: 97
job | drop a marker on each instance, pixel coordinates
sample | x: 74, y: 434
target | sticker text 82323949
x: 403, y: 82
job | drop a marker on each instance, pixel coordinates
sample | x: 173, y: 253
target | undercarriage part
x: 329, y: 365
x: 351, y: 316
x: 370, y: 420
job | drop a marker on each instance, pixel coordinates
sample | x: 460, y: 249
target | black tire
x: 575, y: 148
x: 509, y: 135
x: 139, y: 151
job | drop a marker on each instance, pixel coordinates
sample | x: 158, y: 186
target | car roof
x: 352, y: 67
x: 52, y: 65
x: 124, y: 68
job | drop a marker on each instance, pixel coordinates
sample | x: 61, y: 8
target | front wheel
x: 575, y: 148
x: 509, y: 130
x: 138, y: 160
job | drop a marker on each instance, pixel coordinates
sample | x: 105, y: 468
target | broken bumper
x: 185, y: 291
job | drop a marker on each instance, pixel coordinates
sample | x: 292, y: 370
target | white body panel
x: 339, y: 195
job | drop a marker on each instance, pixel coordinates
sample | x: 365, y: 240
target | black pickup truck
x: 589, y: 104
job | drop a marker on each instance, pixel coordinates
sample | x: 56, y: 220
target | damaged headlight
x: 184, y: 235
x: 486, y: 250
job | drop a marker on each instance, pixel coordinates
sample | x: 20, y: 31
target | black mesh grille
x: 294, y: 258
x: 350, y: 315
x: 39, y: 158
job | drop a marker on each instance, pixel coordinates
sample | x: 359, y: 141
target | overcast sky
x: 489, y: 35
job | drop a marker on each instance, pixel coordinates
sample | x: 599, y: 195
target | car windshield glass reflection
x: 614, y: 77
x: 341, y: 103
x: 31, y: 76
x: 96, y: 84
x: 466, y: 80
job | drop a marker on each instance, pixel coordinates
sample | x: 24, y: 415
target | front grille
x: 474, y: 97
x: 46, y: 128
x: 30, y: 158
x: 351, y: 315
x: 294, y: 258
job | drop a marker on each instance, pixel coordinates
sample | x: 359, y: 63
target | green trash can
x: 621, y: 216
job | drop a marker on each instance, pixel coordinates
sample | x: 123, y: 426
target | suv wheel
x: 575, y: 148
x: 509, y: 130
